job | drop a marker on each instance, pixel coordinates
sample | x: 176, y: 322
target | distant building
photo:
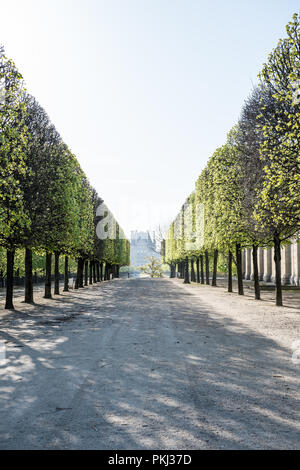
x: 142, y: 247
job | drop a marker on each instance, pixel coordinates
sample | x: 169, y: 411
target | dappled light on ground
x: 141, y: 363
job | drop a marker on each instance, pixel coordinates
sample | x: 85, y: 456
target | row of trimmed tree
x: 46, y: 202
x: 248, y: 195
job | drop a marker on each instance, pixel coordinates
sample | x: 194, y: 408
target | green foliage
x: 13, y: 141
x: 46, y: 201
x: 278, y: 205
x: 153, y: 268
x: 249, y: 191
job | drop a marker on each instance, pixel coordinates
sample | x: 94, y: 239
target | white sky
x: 142, y: 91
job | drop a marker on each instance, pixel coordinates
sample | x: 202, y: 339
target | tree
x: 278, y: 207
x: 35, y: 182
x: 13, y: 139
x: 153, y: 267
x: 250, y: 187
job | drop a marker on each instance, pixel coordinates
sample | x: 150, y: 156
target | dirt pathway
x: 141, y: 363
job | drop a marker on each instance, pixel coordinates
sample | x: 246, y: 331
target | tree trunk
x: 207, y: 267
x: 255, y: 272
x: 214, y: 278
x: 229, y: 271
x: 80, y: 278
x: 10, y: 259
x: 98, y: 271
x: 182, y: 269
x: 201, y: 270
x: 48, y: 294
x: 56, y: 273
x: 193, y: 275
x: 28, y: 277
x: 66, y: 277
x: 277, y: 260
x: 86, y: 273
x: 186, y: 271
x: 116, y: 271
x: 91, y: 273
x: 239, y: 268
x: 94, y: 272
x: 77, y: 276
x: 197, y: 270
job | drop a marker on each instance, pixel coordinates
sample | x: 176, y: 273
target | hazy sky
x: 142, y: 91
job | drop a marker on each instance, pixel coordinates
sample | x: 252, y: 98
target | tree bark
x: 91, y: 273
x: 255, y: 272
x: 10, y: 259
x: 229, y: 271
x: 186, y: 271
x: 81, y: 266
x: 28, y: 277
x: 56, y: 273
x: 277, y: 260
x: 101, y: 271
x: 77, y: 275
x: 239, y: 268
x: 197, y: 270
x: 193, y: 275
x: 117, y: 271
x: 201, y: 269
x: 48, y: 294
x: 66, y: 277
x: 207, y: 267
x: 214, y: 278
x: 94, y: 272
x: 98, y: 271
x: 86, y: 273
x: 182, y: 269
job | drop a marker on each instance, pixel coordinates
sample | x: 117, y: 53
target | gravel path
x: 155, y: 364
